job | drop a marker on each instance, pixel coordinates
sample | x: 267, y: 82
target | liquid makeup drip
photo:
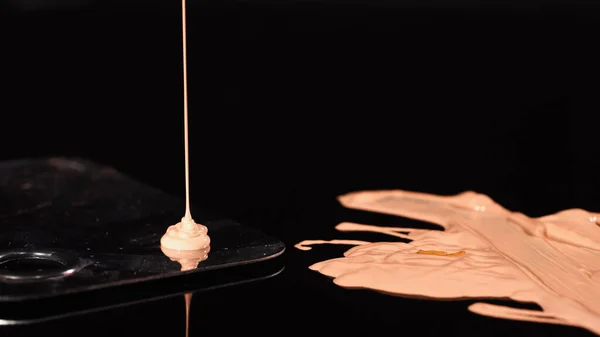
x: 187, y: 234
x: 186, y: 242
x: 484, y: 251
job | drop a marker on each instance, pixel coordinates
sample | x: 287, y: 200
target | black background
x: 295, y: 102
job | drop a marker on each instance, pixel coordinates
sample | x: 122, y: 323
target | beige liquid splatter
x: 188, y: 259
x: 484, y: 251
x: 187, y: 234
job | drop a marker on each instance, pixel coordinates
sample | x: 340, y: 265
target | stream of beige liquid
x: 187, y: 234
x: 186, y: 242
x: 484, y: 251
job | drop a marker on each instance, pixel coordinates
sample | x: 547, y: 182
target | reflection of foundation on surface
x: 188, y: 259
x: 188, y: 303
x: 553, y: 261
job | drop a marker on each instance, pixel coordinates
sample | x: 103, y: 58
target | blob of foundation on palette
x: 483, y: 251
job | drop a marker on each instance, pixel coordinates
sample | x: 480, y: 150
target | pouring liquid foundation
x: 186, y: 242
x: 187, y: 234
x: 484, y: 251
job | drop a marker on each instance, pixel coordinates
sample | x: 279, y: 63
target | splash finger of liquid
x: 483, y: 251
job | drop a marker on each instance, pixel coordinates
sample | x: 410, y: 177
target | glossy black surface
x: 65, y: 308
x: 103, y: 227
